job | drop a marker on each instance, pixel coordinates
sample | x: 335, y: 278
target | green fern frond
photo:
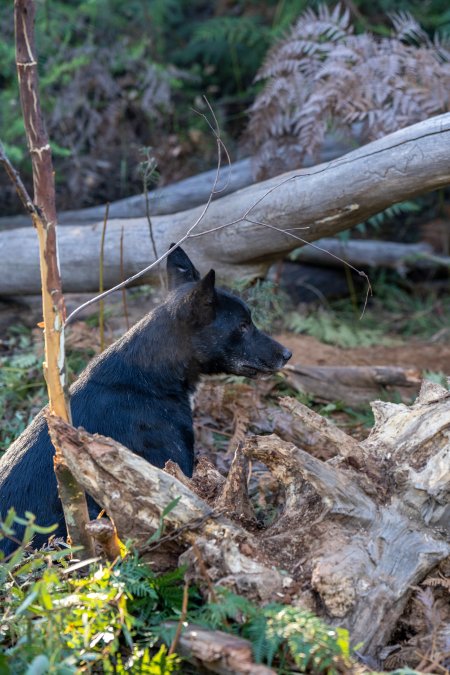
x: 230, y: 30
x: 314, y: 646
x: 393, y: 211
x: 278, y: 632
x: 23, y: 361
x: 326, y: 327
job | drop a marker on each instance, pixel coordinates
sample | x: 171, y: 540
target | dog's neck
x: 154, y: 350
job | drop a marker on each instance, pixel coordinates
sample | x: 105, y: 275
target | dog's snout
x: 286, y: 355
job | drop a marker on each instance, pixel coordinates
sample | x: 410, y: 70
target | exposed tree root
x: 355, y: 534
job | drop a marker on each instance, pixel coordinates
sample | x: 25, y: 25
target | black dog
x: 138, y: 390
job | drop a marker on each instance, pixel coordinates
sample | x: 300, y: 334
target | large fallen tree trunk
x: 372, y: 253
x: 243, y: 233
x: 178, y: 196
x: 356, y: 533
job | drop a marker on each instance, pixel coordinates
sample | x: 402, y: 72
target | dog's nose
x: 286, y: 355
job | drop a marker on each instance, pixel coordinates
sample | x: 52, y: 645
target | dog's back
x: 137, y: 391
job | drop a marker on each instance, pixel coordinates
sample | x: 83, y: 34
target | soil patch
x: 307, y: 350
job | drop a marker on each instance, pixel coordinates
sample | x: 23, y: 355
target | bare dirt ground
x: 425, y: 356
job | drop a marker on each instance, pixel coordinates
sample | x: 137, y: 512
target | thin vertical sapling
x: 43, y: 213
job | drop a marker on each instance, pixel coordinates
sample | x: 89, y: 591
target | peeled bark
x: 359, y: 530
x: 243, y: 233
x: 43, y: 213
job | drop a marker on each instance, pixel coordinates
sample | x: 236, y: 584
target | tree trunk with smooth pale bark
x: 179, y: 196
x: 254, y: 226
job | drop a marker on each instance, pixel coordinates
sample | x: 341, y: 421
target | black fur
x: 137, y: 391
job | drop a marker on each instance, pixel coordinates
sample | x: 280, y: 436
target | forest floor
x: 375, y: 341
x: 228, y: 409
x: 413, y: 353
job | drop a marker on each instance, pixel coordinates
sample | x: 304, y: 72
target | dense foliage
x: 120, y: 76
x: 112, y: 618
x: 322, y: 75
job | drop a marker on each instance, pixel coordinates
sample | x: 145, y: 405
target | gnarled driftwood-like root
x: 356, y: 532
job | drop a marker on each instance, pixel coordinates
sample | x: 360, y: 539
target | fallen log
x: 243, y: 233
x: 359, y: 531
x: 353, y: 385
x: 372, y: 253
x: 217, y: 652
x: 178, y: 196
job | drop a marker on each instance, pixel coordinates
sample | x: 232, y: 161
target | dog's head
x: 222, y: 335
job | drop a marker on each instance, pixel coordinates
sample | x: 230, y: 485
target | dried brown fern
x: 228, y: 408
x: 428, y: 648
x: 101, y: 115
x: 437, y: 581
x: 323, y: 75
x: 241, y: 420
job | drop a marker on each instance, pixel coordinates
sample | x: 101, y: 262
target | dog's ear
x: 180, y: 269
x: 198, y: 307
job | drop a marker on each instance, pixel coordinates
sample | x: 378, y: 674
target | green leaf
x: 39, y: 665
x: 170, y: 506
x: 32, y: 597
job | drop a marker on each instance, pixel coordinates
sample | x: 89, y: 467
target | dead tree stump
x: 355, y: 532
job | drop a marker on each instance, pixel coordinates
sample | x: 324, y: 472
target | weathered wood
x: 243, y: 233
x: 339, y: 490
x: 372, y: 253
x: 178, y: 196
x: 359, y: 531
x: 218, y: 652
x: 315, y: 424
x: 234, y: 499
x: 135, y: 494
x: 353, y: 385
x: 364, y: 562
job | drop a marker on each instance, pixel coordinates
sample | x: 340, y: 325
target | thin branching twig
x: 101, y: 319
x: 124, y: 290
x: 214, y: 191
x: 184, y: 609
